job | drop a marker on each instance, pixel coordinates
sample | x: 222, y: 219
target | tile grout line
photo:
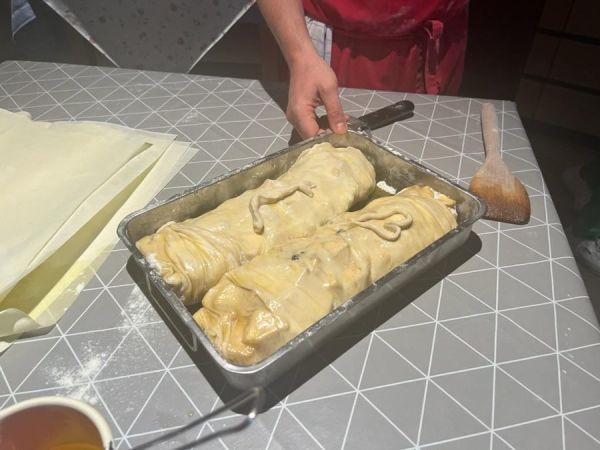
x: 323, y: 397
x: 554, y: 305
x: 362, y: 372
x: 387, y: 419
x: 492, y: 364
x: 568, y: 269
x: 274, y: 430
x: 575, y: 424
x: 430, y: 362
x: 291, y: 413
x: 495, y: 357
x: 16, y: 390
x: 495, y: 360
x: 11, y: 393
x: 583, y: 319
x: 92, y: 302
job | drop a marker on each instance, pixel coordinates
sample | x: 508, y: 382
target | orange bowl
x: 53, y: 423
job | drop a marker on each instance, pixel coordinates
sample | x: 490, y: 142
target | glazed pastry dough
x: 193, y: 255
x: 258, y: 307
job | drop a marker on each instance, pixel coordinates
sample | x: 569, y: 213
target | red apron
x: 396, y: 45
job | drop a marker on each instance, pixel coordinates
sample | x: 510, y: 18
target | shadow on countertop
x: 557, y: 150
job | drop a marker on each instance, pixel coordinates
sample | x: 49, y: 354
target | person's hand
x: 313, y: 83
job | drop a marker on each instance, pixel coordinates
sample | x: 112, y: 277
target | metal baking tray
x: 397, y: 171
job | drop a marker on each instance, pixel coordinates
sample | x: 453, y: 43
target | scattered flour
x: 151, y: 258
x: 386, y: 187
x: 437, y: 195
x: 93, y: 365
x: 76, y: 381
x: 82, y: 392
x: 136, y: 307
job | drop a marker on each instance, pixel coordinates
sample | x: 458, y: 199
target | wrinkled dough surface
x: 258, y: 307
x: 193, y: 255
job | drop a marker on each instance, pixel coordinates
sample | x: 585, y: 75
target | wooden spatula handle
x: 490, y: 130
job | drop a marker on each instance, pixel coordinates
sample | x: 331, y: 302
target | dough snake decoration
x: 390, y: 231
x: 279, y: 192
x: 258, y: 307
x: 193, y: 255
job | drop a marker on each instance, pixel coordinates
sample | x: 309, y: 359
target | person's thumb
x: 335, y: 112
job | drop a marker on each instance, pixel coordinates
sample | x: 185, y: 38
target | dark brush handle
x: 372, y: 121
x: 390, y: 114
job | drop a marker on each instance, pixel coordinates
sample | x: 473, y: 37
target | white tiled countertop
x: 499, y: 350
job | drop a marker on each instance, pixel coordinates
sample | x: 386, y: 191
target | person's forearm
x: 312, y: 81
x: 286, y: 21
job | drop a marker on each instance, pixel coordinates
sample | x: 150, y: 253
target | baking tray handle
x: 252, y: 397
x: 191, y: 343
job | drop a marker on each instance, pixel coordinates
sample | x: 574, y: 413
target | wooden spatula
x: 506, y: 197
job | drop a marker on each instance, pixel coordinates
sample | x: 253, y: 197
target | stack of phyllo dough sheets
x: 268, y: 264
